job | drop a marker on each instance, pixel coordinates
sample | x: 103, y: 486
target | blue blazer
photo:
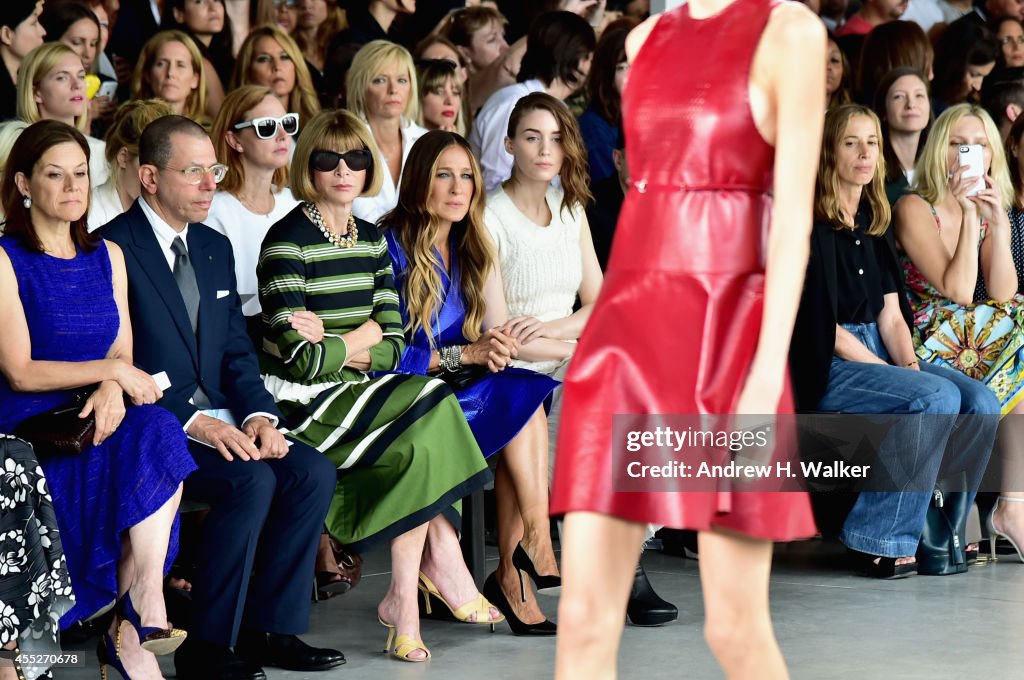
x: 222, y: 358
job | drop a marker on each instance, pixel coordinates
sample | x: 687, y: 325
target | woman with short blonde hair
x: 159, y: 60
x: 381, y: 88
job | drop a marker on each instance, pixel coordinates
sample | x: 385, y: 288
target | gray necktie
x: 185, y: 277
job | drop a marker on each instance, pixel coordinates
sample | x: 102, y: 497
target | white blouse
x: 104, y: 204
x: 541, y: 266
x: 246, y: 231
x: 372, y: 208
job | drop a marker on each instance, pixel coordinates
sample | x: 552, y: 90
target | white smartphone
x: 974, y: 156
x: 108, y: 89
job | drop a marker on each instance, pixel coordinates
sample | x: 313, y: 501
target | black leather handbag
x: 943, y: 541
x: 60, y: 432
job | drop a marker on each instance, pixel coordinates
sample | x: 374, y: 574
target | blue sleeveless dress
x: 72, y: 316
x: 496, y: 405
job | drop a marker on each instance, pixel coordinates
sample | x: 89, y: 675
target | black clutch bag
x: 59, y: 432
x: 464, y: 377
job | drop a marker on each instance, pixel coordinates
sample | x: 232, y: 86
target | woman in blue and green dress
x: 955, y: 235
x: 454, y: 315
x: 404, y: 451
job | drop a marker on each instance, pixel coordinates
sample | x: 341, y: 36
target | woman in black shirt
x: 852, y: 353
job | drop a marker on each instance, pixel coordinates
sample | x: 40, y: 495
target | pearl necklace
x: 340, y: 240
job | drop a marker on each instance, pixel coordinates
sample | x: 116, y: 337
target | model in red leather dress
x: 677, y: 322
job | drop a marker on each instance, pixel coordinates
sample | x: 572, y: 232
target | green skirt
x: 404, y: 453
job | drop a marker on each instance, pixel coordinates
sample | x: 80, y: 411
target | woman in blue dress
x: 63, y: 308
x: 453, y: 311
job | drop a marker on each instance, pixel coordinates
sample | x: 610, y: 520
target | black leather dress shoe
x: 200, y: 660
x: 646, y: 608
x: 285, y: 651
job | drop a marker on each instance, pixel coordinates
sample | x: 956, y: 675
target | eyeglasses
x: 328, y: 161
x: 290, y: 4
x: 1009, y: 40
x: 194, y: 174
x: 265, y: 127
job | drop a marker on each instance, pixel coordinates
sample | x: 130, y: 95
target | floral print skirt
x: 983, y: 340
x: 34, y: 587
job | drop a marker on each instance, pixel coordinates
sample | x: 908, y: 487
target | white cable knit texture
x: 541, y: 267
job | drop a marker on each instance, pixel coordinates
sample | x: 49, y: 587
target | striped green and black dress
x: 403, y: 449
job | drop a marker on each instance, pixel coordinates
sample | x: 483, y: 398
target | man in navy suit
x: 268, y: 495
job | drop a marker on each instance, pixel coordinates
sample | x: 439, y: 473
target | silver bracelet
x: 450, y: 358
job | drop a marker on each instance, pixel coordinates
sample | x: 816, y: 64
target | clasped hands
x: 231, y: 442
x: 107, y: 403
x: 497, y: 347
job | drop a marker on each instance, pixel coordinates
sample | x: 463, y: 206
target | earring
x: 27, y: 202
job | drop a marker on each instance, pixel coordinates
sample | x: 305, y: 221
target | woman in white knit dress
x: 546, y: 258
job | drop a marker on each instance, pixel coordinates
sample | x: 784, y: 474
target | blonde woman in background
x: 381, y: 87
x: 117, y: 194
x: 51, y: 86
x: 170, y: 67
x: 269, y: 57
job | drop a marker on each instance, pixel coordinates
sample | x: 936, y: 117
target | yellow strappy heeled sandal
x: 404, y: 645
x: 478, y: 605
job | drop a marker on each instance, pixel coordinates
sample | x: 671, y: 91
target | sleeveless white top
x: 541, y: 267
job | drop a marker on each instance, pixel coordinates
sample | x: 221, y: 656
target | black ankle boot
x: 645, y: 607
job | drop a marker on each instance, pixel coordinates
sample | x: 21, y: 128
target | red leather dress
x: 676, y: 325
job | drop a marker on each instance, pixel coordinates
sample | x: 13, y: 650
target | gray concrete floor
x: 830, y: 624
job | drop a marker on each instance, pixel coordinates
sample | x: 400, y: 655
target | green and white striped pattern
x: 401, y: 443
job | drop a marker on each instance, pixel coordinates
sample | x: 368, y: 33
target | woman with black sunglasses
x: 404, y: 451
x: 253, y: 136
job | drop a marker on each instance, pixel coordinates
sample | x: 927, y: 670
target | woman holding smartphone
x: 955, y: 236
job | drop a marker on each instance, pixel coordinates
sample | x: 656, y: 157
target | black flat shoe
x: 493, y: 592
x: 285, y: 651
x: 546, y: 585
x: 885, y: 568
x: 200, y: 660
x: 646, y: 608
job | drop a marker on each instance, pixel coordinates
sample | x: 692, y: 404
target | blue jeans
x: 917, y: 450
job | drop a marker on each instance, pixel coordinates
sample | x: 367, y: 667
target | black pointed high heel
x: 151, y: 638
x: 546, y: 585
x: 493, y: 592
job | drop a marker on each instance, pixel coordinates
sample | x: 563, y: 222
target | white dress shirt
x: 165, y: 235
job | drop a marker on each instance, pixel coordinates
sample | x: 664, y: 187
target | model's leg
x: 599, y: 555
x: 734, y: 573
x: 399, y: 606
x: 510, y: 532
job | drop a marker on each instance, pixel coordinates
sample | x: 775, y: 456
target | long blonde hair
x: 826, y: 191
x: 34, y: 67
x: 416, y: 228
x: 931, y: 174
x: 302, y: 99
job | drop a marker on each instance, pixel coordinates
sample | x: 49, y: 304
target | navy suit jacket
x: 221, y: 359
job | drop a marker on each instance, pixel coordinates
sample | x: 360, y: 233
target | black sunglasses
x: 328, y: 161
